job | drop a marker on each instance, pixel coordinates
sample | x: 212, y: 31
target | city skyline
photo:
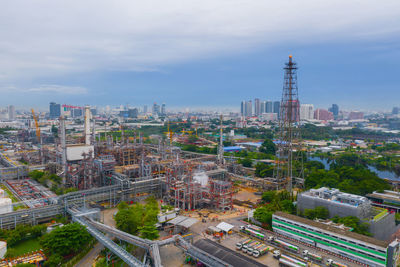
x: 203, y: 52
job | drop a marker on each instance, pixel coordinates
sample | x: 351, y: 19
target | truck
x: 295, y: 261
x: 333, y: 263
x: 286, y: 263
x: 276, y: 254
x: 260, y: 251
x: 251, y: 250
x: 312, y: 256
x: 284, y: 244
x: 250, y: 245
x: 252, y: 232
x: 240, y: 244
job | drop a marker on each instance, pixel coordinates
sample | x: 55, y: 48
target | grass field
x: 27, y: 246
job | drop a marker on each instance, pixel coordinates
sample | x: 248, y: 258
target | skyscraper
x: 11, y: 112
x: 156, y: 109
x: 277, y: 108
x: 145, y: 109
x: 55, y: 110
x: 395, y: 110
x: 269, y: 107
x: 257, y: 107
x: 163, y: 110
x: 248, y: 109
x: 335, y: 110
x: 263, y: 107
x: 306, y: 111
x: 242, y: 108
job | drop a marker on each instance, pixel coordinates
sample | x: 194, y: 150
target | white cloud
x: 58, y: 89
x: 47, y: 38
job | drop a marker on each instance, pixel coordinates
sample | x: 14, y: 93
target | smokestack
x: 87, y: 125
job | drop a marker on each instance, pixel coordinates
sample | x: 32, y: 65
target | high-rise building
x: 395, y: 110
x: 248, y: 109
x: 335, y: 110
x: 242, y: 108
x: 277, y: 108
x: 145, y: 109
x: 11, y: 112
x: 257, y: 107
x: 323, y: 115
x: 269, y: 107
x: 156, y: 109
x: 133, y: 113
x: 306, y: 111
x: 263, y: 107
x: 163, y: 110
x: 55, y: 110
x: 356, y: 115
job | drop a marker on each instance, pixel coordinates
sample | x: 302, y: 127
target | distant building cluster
x: 260, y: 108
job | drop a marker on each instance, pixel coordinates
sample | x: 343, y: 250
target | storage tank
x: 3, y: 249
x: 5, y: 205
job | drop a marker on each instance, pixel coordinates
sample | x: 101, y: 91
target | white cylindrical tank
x: 1, y: 193
x: 3, y: 249
x: 5, y: 205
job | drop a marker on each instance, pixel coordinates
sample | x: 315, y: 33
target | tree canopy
x: 65, y: 240
x: 138, y: 218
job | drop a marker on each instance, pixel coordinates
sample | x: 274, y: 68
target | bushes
x: 138, y: 218
x: 65, y: 240
x: 317, y: 213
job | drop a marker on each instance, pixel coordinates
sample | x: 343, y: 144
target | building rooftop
x: 386, y: 195
x: 334, y: 229
x: 336, y: 196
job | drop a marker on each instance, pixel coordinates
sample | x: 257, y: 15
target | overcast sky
x: 198, y: 53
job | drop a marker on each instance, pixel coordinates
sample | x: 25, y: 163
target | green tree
x: 309, y: 214
x: 122, y: 205
x: 264, y: 170
x: 128, y: 220
x: 53, y: 261
x: 268, y: 147
x: 321, y: 213
x: 263, y: 215
x: 288, y: 206
x: 149, y: 231
x: 268, y: 196
x: 246, y: 162
x: 65, y: 240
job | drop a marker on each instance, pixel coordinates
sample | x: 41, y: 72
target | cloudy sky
x: 198, y: 53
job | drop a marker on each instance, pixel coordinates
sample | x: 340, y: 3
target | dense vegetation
x: 353, y: 222
x: 20, y: 234
x: 349, y: 173
x: 274, y: 201
x: 63, y: 242
x: 138, y: 218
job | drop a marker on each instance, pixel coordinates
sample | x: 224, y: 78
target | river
x: 381, y: 174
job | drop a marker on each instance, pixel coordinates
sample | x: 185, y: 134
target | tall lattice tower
x: 287, y: 167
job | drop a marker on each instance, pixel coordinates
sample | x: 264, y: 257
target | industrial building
x: 337, y: 203
x: 360, y: 248
x: 386, y: 199
x: 381, y: 222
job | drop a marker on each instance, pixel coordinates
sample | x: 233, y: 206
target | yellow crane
x: 36, y: 125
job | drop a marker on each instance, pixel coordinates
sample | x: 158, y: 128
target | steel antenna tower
x: 289, y: 134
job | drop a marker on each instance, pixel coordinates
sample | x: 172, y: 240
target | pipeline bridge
x: 152, y: 248
x: 123, y: 191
